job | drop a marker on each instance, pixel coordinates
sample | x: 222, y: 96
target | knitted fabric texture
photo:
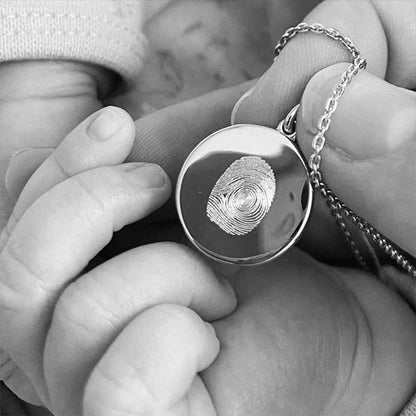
x: 410, y: 409
x: 106, y: 33
x: 102, y: 32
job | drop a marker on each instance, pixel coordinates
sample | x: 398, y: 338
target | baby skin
x: 155, y: 331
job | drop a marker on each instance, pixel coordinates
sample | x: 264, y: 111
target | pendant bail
x: 288, y: 125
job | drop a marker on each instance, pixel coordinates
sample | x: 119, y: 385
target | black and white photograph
x: 207, y: 207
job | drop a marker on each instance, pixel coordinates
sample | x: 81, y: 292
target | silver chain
x: 316, y: 28
x: 338, y: 209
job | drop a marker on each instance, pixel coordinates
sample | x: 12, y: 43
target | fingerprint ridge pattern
x: 242, y: 196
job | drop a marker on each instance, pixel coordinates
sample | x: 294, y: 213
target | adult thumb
x: 369, y: 158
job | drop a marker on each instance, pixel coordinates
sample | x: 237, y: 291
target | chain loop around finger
x: 338, y: 209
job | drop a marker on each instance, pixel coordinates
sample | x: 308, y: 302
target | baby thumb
x: 41, y: 102
x: 369, y: 158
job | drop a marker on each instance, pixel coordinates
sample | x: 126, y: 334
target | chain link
x: 319, y: 29
x: 324, y: 122
x: 338, y: 209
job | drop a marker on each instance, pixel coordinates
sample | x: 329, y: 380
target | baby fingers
x: 151, y: 368
x: 103, y: 139
x: 54, y: 241
x: 94, y: 309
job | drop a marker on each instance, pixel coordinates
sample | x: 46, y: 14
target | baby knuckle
x: 181, y: 318
x: 71, y: 309
x: 104, y: 389
x: 59, y: 166
x: 18, y: 277
x: 84, y: 188
x: 83, y: 305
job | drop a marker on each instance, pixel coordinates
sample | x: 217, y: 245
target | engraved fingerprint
x: 242, y: 195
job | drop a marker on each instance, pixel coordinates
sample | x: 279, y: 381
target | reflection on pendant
x: 242, y: 195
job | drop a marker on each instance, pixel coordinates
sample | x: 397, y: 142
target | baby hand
x: 41, y: 102
x: 126, y: 335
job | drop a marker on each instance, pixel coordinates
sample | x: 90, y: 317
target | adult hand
x: 318, y: 312
x: 371, y: 138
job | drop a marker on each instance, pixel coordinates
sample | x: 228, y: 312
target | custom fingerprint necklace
x: 244, y: 195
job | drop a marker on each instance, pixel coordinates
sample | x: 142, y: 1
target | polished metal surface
x: 243, y: 194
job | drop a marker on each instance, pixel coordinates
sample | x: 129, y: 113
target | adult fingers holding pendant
x: 244, y: 195
x: 233, y: 195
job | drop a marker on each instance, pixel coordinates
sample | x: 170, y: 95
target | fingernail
x: 238, y: 104
x: 22, y: 165
x: 372, y: 117
x: 148, y: 175
x: 107, y: 123
x: 316, y: 93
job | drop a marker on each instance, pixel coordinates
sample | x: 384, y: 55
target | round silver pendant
x: 243, y: 194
